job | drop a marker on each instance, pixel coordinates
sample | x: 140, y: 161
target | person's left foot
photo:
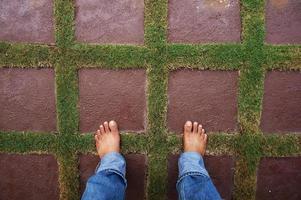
x: 107, y: 138
x: 195, y: 138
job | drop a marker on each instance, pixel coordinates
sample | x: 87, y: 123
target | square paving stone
x: 283, y: 21
x: 203, y: 21
x: 27, y: 21
x: 135, y: 173
x: 27, y: 100
x: 110, y: 21
x: 220, y: 169
x: 209, y: 97
x: 112, y: 95
x: 281, y: 102
x: 279, y: 178
x: 30, y: 177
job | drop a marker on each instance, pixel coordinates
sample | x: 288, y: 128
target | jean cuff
x: 114, y: 162
x: 191, y: 162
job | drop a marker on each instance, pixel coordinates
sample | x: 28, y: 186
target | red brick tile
x: 203, y: 21
x: 30, y: 177
x: 112, y: 94
x: 209, y: 97
x: 27, y: 21
x: 135, y: 173
x: 107, y: 21
x: 27, y: 100
x: 220, y: 169
x: 279, y: 178
x: 283, y: 21
x: 281, y: 102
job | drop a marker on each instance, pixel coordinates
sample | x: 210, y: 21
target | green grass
x: 252, y: 57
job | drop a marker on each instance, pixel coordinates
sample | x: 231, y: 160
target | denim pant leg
x: 109, y: 181
x: 194, y: 182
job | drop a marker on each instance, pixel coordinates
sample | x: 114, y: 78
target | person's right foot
x: 195, y: 138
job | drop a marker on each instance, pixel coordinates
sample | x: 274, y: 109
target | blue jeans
x: 109, y: 181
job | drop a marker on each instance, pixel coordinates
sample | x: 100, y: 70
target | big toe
x: 188, y: 127
x: 113, y: 126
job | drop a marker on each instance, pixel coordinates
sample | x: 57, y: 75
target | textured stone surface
x: 279, y: 178
x: 27, y: 21
x: 27, y: 100
x: 30, y: 177
x: 282, y: 102
x: 220, y: 169
x: 209, y: 97
x: 283, y: 21
x: 110, y: 21
x: 197, y: 21
x: 111, y: 94
x: 135, y: 173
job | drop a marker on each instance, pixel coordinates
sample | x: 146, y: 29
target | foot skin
x: 107, y: 138
x: 194, y: 139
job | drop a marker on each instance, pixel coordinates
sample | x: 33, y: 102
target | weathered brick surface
x: 203, y: 21
x: 27, y: 100
x: 30, y: 177
x: 279, y: 178
x: 220, y: 169
x: 283, y: 21
x: 107, y: 21
x: 135, y: 173
x: 112, y: 94
x: 282, y: 102
x: 27, y: 21
x: 209, y: 97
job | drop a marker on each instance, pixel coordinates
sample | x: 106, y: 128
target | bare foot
x: 107, y: 138
x: 194, y: 138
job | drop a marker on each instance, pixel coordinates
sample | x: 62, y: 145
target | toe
x: 102, y: 129
x: 205, y: 137
x: 202, y: 133
x: 187, y: 127
x: 195, y: 127
x: 200, y: 129
x: 106, y: 125
x: 95, y: 137
x: 98, y: 134
x: 113, y: 126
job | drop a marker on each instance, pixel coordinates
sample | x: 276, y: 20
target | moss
x: 220, y: 57
x: 109, y: 56
x: 244, y: 181
x: 23, y: 55
x: 68, y: 176
x: 281, y: 145
x: 64, y: 23
x: 157, y: 176
x: 283, y: 57
x: 67, y: 97
x: 27, y: 142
